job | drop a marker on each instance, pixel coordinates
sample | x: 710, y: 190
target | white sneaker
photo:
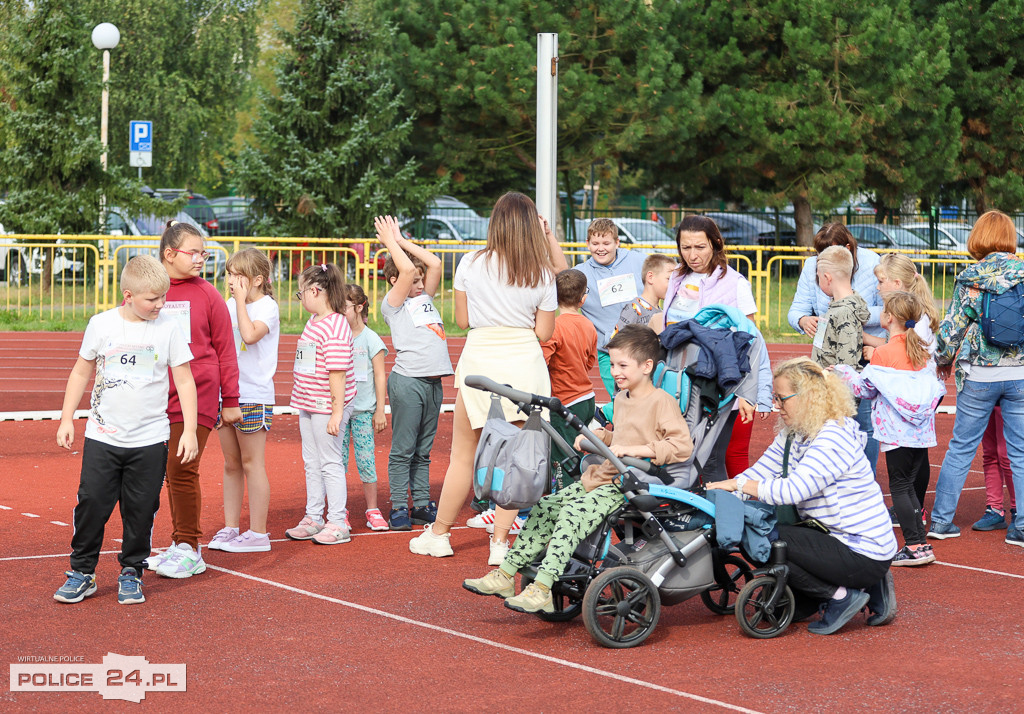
x: 427, y: 543
x: 482, y: 520
x: 517, y: 525
x: 498, y: 553
x: 153, y: 561
x: 183, y: 563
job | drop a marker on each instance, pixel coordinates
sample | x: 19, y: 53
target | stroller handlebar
x: 513, y: 395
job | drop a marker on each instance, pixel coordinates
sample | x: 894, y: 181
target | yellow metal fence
x: 84, y: 271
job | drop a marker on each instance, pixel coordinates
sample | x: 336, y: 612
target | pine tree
x: 330, y: 146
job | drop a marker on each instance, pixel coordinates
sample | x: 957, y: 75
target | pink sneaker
x: 332, y: 534
x: 306, y: 529
x: 248, y: 542
x: 375, y: 520
x: 224, y: 535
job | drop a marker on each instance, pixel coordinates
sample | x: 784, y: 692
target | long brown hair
x: 836, y: 234
x: 251, y: 262
x: 174, y: 235
x: 515, y: 236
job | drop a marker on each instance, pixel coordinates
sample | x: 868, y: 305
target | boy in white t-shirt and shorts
x: 125, y: 455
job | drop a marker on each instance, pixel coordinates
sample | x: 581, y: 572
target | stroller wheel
x: 755, y: 617
x: 566, y: 608
x: 621, y: 607
x: 717, y: 598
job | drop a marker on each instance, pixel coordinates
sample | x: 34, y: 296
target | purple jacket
x: 718, y: 288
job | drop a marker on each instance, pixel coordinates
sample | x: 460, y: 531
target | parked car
x: 878, y: 236
x: 433, y: 228
x: 66, y: 263
x: 13, y: 270
x: 233, y: 215
x: 138, y: 236
x: 198, y: 207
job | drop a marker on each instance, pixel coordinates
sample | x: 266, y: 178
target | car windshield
x: 470, y: 228
x: 648, y: 231
x: 906, y: 239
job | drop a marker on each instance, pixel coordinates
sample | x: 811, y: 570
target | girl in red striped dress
x: 323, y: 391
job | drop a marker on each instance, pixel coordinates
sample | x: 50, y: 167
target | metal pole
x: 103, y: 111
x: 547, y: 125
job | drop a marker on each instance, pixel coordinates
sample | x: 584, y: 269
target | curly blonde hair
x: 823, y: 395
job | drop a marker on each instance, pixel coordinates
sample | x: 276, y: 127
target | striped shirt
x: 325, y: 346
x: 829, y: 479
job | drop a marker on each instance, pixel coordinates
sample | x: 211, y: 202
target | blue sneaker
x: 423, y: 515
x: 993, y: 520
x: 399, y: 519
x: 129, y: 587
x: 941, y: 531
x: 882, y: 601
x: 78, y: 587
x: 837, y: 613
x: 1015, y: 537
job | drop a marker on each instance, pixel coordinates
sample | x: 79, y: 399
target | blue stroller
x: 666, y: 550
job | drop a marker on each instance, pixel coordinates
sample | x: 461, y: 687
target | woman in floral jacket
x: 986, y: 375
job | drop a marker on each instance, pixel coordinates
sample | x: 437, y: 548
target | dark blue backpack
x: 1002, y: 317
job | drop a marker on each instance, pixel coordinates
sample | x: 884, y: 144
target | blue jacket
x: 744, y: 523
x: 724, y: 354
x: 810, y: 300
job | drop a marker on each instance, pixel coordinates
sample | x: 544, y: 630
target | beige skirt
x: 508, y: 355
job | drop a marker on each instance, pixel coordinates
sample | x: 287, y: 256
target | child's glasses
x: 196, y: 257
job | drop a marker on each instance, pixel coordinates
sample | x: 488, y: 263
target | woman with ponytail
x: 905, y: 395
x: 817, y: 464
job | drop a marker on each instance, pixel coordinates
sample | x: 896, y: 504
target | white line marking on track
x: 53, y: 555
x: 58, y: 523
x: 488, y: 643
x: 979, y: 570
x: 5, y: 508
x: 30, y: 515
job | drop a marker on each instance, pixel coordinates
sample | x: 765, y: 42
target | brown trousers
x: 183, y: 493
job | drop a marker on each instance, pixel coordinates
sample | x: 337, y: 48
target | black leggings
x: 908, y: 471
x: 820, y: 563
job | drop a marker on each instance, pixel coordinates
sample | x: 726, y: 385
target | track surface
x: 368, y: 626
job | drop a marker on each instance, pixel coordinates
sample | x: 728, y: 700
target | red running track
x: 368, y: 626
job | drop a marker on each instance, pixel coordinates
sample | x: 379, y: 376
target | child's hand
x: 380, y: 422
x: 380, y: 224
x: 334, y: 424
x: 868, y: 351
x: 396, y: 230
x: 239, y: 289
x: 188, y: 447
x: 746, y: 410
x: 621, y: 450
x: 231, y: 415
x: 66, y: 434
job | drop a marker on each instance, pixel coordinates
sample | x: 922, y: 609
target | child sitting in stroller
x: 648, y: 425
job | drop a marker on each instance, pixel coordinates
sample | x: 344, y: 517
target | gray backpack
x: 511, y: 464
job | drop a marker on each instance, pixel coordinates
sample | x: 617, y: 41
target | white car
x: 652, y: 236
x: 13, y: 270
x: 948, y: 236
x: 460, y: 226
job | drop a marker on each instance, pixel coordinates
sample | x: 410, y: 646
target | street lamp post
x: 105, y: 36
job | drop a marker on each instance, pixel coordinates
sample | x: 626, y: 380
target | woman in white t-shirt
x: 256, y: 324
x: 505, y: 295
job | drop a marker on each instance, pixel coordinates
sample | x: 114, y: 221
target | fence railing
x: 84, y: 274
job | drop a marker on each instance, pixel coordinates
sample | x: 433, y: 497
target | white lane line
x: 5, y: 508
x: 979, y: 570
x: 966, y: 488
x: 485, y: 642
x: 59, y: 523
x: 53, y: 555
x: 30, y: 515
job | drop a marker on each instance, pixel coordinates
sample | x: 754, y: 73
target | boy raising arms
x: 657, y: 272
x: 414, y: 385
x: 125, y: 454
x: 649, y: 425
x: 840, y: 335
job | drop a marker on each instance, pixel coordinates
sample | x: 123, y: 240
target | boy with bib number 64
x: 125, y: 453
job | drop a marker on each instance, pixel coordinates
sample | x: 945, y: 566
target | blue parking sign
x: 140, y: 136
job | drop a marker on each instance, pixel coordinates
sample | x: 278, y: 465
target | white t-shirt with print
x: 257, y: 363
x: 128, y: 404
x: 492, y: 302
x: 684, y: 306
